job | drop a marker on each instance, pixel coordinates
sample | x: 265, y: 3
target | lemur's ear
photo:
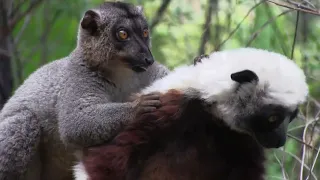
x: 244, y: 76
x: 90, y: 20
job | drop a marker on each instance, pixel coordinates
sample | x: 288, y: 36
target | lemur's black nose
x: 149, y: 60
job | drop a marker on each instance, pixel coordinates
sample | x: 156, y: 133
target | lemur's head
x: 115, y: 34
x: 251, y: 90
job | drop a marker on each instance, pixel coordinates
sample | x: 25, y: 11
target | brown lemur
x: 82, y: 99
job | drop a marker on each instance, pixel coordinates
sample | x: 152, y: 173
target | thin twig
x: 301, y: 126
x: 314, y: 101
x: 310, y: 141
x: 277, y: 30
x: 295, y: 35
x: 206, y: 27
x: 300, y: 4
x: 283, y: 163
x: 22, y: 29
x: 255, y: 34
x: 300, y: 141
x: 229, y: 19
x: 314, y: 162
x: 9, y: 7
x: 4, y: 52
x: 19, y: 16
x: 299, y: 160
x: 284, y: 173
x: 217, y: 37
x: 310, y: 4
x: 16, y: 62
x: 304, y: 145
x: 17, y: 8
x: 290, y: 6
x: 45, y: 33
x: 239, y: 24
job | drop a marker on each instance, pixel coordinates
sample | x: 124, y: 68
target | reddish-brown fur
x: 178, y: 141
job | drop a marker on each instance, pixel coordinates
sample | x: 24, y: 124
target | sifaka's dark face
x: 269, y: 125
x: 267, y: 122
x: 121, y: 30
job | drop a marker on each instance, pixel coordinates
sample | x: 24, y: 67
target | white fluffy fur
x: 286, y: 81
x: 79, y: 172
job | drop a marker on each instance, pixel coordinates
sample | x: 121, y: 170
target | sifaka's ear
x: 244, y: 76
x: 90, y: 20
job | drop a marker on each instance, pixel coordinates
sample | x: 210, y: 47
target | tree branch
x: 277, y: 31
x: 45, y: 33
x: 217, y: 28
x: 24, y: 26
x: 239, y: 24
x: 255, y: 34
x: 48, y: 24
x: 6, y: 80
x: 19, y: 16
x: 159, y: 14
x: 17, y: 8
x: 15, y: 62
x: 296, y: 6
x: 206, y: 26
x: 302, y: 142
x: 4, y: 52
x: 229, y: 19
x: 295, y: 35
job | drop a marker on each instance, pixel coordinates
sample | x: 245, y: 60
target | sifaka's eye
x: 123, y: 35
x: 145, y: 33
x: 273, y: 119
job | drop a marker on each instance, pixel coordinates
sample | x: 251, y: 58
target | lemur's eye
x: 273, y: 119
x: 145, y: 33
x: 122, y: 34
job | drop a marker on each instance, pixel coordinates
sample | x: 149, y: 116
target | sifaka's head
x: 252, y: 91
x: 115, y: 35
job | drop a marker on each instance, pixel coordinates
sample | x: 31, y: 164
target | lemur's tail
x: 19, y: 140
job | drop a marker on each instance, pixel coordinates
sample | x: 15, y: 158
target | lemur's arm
x: 87, y: 116
x: 145, y: 128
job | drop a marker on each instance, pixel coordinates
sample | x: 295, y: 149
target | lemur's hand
x: 146, y: 103
x: 199, y: 58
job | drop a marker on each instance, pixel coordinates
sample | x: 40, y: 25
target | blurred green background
x: 35, y: 32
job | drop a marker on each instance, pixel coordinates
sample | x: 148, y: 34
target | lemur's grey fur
x: 79, y: 100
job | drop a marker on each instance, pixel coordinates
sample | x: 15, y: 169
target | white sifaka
x: 285, y: 81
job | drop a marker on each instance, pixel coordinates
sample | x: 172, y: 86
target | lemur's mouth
x: 135, y: 64
x: 139, y: 68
